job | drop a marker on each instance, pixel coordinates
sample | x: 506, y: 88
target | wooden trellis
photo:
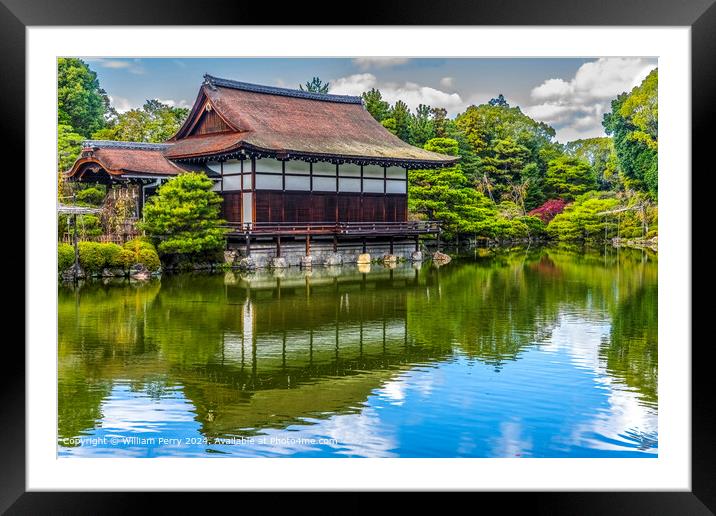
x: 618, y: 211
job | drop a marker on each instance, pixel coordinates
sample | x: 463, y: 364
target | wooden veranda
x: 353, y: 231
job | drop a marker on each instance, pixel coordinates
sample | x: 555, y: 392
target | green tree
x: 183, y: 218
x: 633, y: 125
x: 439, y: 120
x: 480, y: 128
x: 155, y: 122
x: 534, y: 179
x: 315, y: 85
x: 584, y: 220
x: 442, y: 145
x: 641, y: 108
x: 81, y: 103
x: 446, y: 195
x: 486, y: 123
x: 390, y: 125
x: 499, y: 101
x: 569, y: 177
x: 375, y: 105
x: 421, y: 126
x: 600, y: 154
x: 400, y: 113
x: 501, y: 168
x: 69, y: 146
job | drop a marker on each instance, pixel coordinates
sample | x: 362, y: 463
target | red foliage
x: 548, y: 210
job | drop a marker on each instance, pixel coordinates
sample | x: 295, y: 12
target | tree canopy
x: 511, y: 164
x: 633, y: 124
x: 154, y: 122
x: 183, y: 218
x: 81, y: 103
x: 315, y: 85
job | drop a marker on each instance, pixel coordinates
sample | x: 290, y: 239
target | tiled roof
x: 121, y: 158
x: 263, y: 120
x: 204, y: 145
x: 213, y: 82
x: 283, y: 121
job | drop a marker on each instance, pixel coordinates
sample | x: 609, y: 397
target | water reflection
x: 546, y: 353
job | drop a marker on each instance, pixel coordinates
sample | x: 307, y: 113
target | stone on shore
x: 363, y: 258
x: 278, y: 262
x: 247, y: 263
x: 139, y: 271
x: 112, y: 272
x: 230, y: 256
x: 416, y: 256
x: 72, y: 273
x: 441, y: 258
x: 306, y: 262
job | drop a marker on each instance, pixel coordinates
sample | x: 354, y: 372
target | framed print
x: 439, y: 251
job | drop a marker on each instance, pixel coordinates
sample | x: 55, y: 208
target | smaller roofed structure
x: 102, y: 160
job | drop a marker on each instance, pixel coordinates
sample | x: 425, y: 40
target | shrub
x: 535, y: 227
x: 549, y: 210
x: 91, y: 257
x: 139, y: 251
x: 183, y: 218
x: 65, y: 256
x: 109, y: 253
x: 93, y: 195
x: 584, y: 220
x: 124, y: 259
x: 149, y: 258
x: 139, y: 244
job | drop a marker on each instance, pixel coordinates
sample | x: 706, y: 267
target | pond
x: 540, y: 353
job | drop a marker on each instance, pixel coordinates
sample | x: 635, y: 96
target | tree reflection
x: 266, y: 351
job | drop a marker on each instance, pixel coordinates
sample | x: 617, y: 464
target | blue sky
x: 569, y: 94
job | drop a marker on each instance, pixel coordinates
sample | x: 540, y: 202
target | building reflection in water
x: 251, y: 354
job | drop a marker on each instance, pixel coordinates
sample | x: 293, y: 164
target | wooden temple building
x: 288, y: 163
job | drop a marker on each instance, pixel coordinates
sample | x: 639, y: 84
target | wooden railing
x: 413, y: 227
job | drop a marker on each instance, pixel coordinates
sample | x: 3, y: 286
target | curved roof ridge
x: 212, y: 82
x: 114, y: 144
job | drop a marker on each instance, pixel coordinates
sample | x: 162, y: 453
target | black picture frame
x: 700, y: 15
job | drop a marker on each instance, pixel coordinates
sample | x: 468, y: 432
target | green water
x: 545, y: 353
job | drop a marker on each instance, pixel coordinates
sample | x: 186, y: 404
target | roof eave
x: 305, y: 156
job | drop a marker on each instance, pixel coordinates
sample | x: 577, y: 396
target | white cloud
x: 113, y: 63
x: 353, y: 84
x: 409, y: 92
x: 575, y: 107
x: 365, y: 63
x: 551, y: 89
x: 173, y: 103
x: 447, y: 82
x: 131, y: 65
x: 121, y: 104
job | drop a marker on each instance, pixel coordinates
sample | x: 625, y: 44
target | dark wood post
x: 335, y: 243
x: 391, y: 245
x: 364, y: 248
x: 248, y: 243
x: 74, y: 242
x: 74, y: 237
x: 278, y: 247
x: 417, y: 243
x: 308, y: 245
